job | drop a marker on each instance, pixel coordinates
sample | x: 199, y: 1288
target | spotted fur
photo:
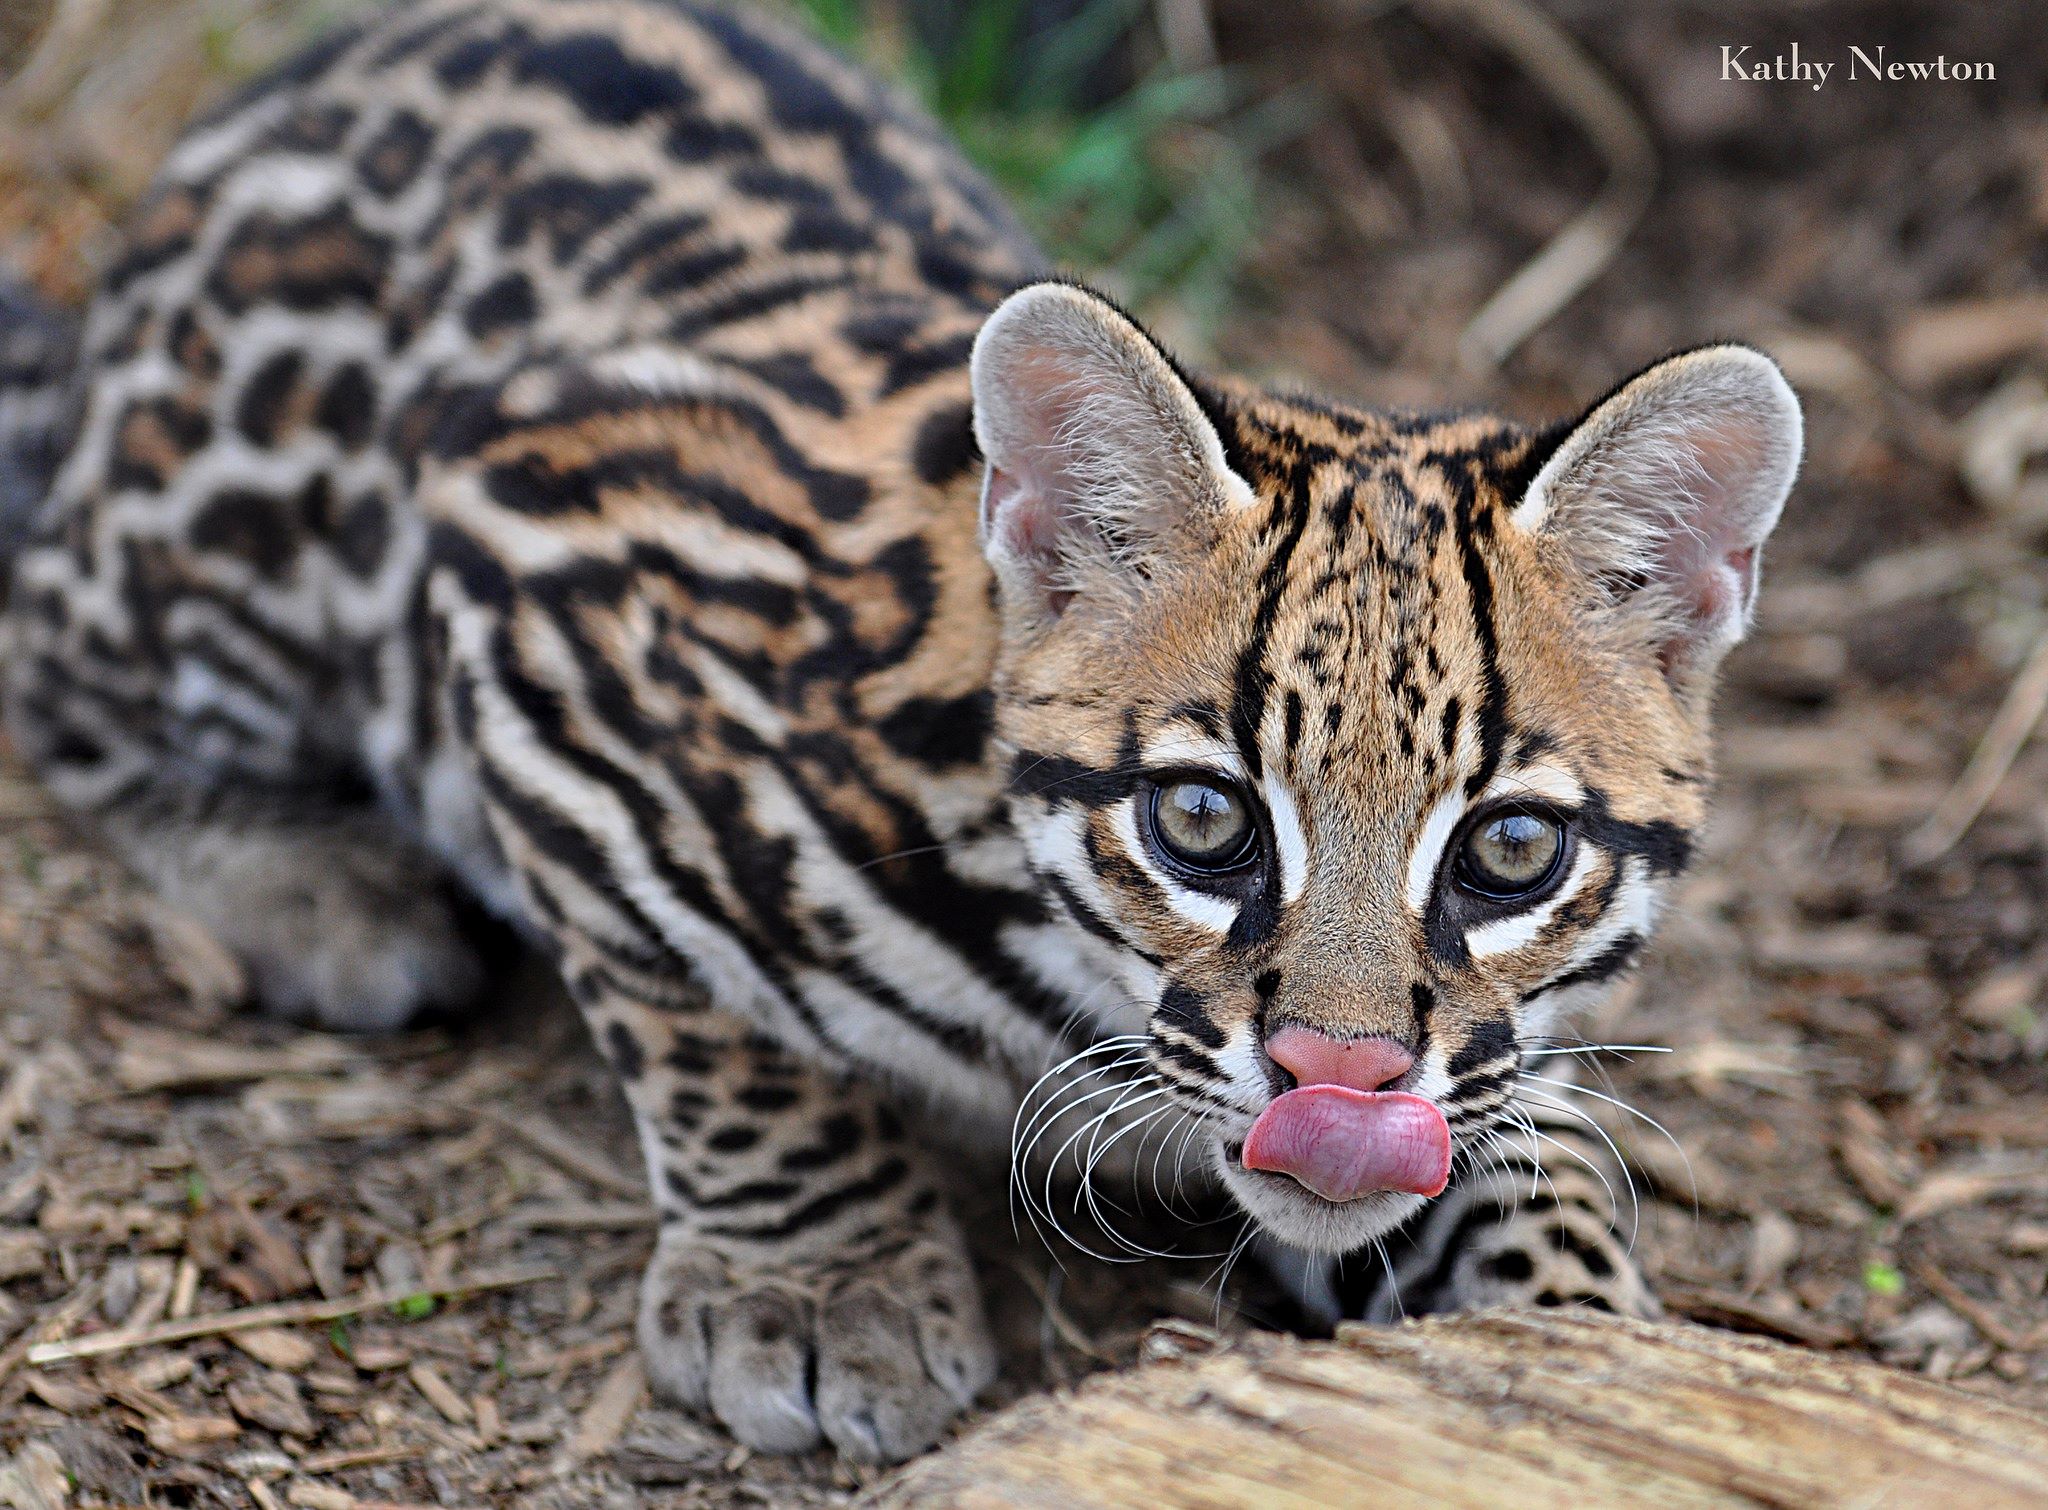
x: 534, y: 447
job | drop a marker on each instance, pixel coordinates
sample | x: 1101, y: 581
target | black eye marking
x: 1182, y: 1007
x: 1510, y: 853
x: 1203, y: 825
x: 1491, y: 1042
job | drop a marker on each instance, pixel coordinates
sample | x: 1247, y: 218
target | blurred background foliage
x: 1146, y: 169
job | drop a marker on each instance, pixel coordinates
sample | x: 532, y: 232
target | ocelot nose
x: 1361, y: 1064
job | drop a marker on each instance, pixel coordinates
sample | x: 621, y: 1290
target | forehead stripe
x: 1248, y: 704
x: 1492, y: 710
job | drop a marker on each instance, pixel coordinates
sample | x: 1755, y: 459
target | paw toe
x: 876, y: 1399
x: 760, y: 1360
x: 674, y: 1336
x: 878, y: 1363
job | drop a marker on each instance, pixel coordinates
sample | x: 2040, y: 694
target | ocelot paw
x: 338, y: 922
x: 1564, y: 1255
x: 875, y: 1356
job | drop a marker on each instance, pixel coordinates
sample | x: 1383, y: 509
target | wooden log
x: 1567, y: 1409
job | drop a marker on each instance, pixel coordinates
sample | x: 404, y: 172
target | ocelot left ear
x: 1099, y: 453
x: 1663, y: 495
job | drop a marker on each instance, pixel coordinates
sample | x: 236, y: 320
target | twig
x: 361, y: 1457
x: 549, y: 1141
x: 81, y: 1300
x: 1189, y: 35
x: 581, y: 1216
x: 1974, y: 1311
x: 1576, y: 254
x: 285, y: 1313
x: 1063, y: 1325
x: 604, y: 1419
x: 35, y: 84
x: 2025, y: 701
x: 1431, y: 152
x: 1733, y: 1312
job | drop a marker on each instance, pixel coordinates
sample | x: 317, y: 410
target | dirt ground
x: 1853, y: 1000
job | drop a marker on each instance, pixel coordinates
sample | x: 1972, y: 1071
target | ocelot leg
x: 808, y: 1281
x: 221, y: 797
x: 338, y: 919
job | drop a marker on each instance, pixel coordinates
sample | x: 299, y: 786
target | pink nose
x: 1360, y: 1064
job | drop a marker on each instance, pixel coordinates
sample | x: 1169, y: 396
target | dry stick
x: 2025, y: 701
x: 1576, y: 255
x: 549, y: 1141
x: 1188, y: 32
x: 36, y: 83
x: 1973, y: 1310
x: 286, y: 1313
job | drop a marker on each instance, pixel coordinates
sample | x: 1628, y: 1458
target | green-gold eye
x: 1510, y: 854
x: 1203, y: 825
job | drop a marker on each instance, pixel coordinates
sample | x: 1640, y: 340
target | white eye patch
x: 1447, y: 815
x: 1196, y: 907
x: 1289, y: 842
x: 1505, y: 935
x: 1184, y: 745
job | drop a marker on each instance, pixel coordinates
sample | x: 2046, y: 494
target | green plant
x: 1158, y: 190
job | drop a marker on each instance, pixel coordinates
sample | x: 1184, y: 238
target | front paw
x: 875, y: 1356
x: 1567, y: 1255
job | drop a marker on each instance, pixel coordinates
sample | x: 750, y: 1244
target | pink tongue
x: 1343, y: 1144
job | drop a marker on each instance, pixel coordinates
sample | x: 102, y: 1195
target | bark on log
x: 1560, y: 1408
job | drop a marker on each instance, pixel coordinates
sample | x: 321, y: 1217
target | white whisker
x: 1554, y: 1103
x: 1613, y: 1200
x: 1642, y: 1116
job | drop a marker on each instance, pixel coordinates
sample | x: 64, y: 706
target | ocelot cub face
x: 1370, y: 743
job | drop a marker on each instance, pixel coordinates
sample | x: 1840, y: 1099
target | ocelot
x: 613, y: 458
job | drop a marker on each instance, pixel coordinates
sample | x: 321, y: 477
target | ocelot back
x: 612, y: 454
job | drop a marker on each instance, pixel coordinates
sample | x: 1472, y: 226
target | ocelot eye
x: 1202, y: 825
x: 1510, y: 853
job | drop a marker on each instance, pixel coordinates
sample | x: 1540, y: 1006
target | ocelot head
x: 1369, y: 741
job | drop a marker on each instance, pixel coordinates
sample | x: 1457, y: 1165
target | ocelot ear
x: 1663, y: 495
x: 1098, y: 451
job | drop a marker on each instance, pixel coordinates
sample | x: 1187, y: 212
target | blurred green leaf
x: 1159, y: 190
x: 837, y: 21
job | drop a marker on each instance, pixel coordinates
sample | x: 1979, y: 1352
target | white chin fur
x: 1294, y: 1216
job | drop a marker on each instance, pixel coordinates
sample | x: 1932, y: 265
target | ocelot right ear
x: 1661, y: 498
x: 1098, y: 450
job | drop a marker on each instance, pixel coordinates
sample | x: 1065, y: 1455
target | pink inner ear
x: 1663, y: 497
x: 1708, y: 554
x: 1026, y: 520
x: 1030, y: 499
x: 1025, y: 515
